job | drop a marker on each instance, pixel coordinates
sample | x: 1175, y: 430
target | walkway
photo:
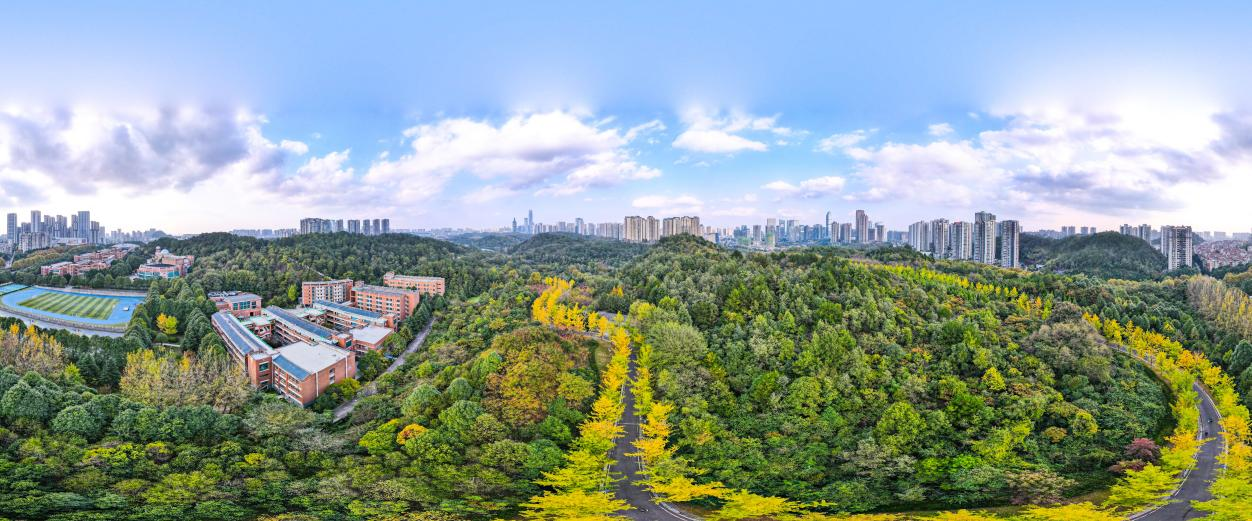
x: 346, y: 408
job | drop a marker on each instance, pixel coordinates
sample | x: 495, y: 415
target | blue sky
x: 197, y: 117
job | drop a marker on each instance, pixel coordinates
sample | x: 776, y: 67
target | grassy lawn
x: 86, y: 306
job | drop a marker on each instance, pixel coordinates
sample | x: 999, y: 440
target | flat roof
x: 423, y: 278
x: 294, y: 321
x: 237, y: 296
x: 346, y: 309
x: 302, y: 359
x: 384, y: 290
x: 336, y: 281
x: 370, y: 334
x: 237, y: 335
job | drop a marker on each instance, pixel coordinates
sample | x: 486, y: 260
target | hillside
x: 1107, y: 255
x: 568, y: 248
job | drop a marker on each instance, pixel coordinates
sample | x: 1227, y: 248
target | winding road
x: 346, y: 408
x: 1196, y: 482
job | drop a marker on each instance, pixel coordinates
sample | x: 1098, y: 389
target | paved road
x: 628, y: 468
x: 346, y: 408
x: 1195, y: 486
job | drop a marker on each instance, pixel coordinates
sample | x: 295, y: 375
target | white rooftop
x: 370, y: 334
x: 312, y: 357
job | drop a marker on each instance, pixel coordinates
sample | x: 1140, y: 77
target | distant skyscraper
x: 862, y: 227
x: 12, y: 229
x: 365, y: 227
x: 530, y: 221
x: 354, y: 226
x: 1176, y: 244
x: 386, y: 225
x: 828, y: 232
x: 1010, y: 244
x: 985, y: 237
x: 36, y: 221
x: 84, y: 225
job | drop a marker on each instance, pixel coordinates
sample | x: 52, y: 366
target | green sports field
x: 85, y: 306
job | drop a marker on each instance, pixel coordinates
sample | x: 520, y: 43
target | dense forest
x: 844, y: 381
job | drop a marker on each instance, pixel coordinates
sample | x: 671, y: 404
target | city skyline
x: 928, y: 111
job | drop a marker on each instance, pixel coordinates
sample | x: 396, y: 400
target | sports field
x: 74, y: 305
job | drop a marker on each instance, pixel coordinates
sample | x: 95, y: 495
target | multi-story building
x: 641, y: 229
x: 939, y: 238
x: 862, y: 227
x: 985, y: 237
x: 422, y: 285
x: 241, y: 304
x: 919, y: 236
x: 385, y: 300
x: 299, y: 370
x: 369, y: 330
x: 11, y: 234
x: 165, y: 265
x: 1176, y: 245
x: 961, y: 240
x: 679, y: 225
x: 1010, y: 244
x: 331, y: 290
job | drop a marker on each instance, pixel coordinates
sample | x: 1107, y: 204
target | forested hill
x: 274, y: 269
x: 1107, y: 255
x: 568, y: 248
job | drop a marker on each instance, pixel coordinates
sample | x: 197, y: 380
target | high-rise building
x: 961, y: 241
x: 641, y: 229
x: 84, y: 225
x: 386, y: 225
x: 919, y: 236
x: 1176, y: 245
x: 862, y: 227
x: 11, y: 234
x: 1010, y: 244
x: 530, y: 222
x: 827, y: 232
x: 938, y: 241
x: 679, y: 225
x: 354, y: 226
x: 985, y: 237
x: 36, y: 221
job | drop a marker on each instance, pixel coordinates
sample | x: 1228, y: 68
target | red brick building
x: 337, y: 291
x: 238, y: 303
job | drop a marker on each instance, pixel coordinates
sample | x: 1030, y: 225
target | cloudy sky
x: 218, y: 115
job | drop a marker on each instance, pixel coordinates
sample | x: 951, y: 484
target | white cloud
x: 554, y: 153
x: 669, y: 205
x: 86, y: 149
x: 716, y: 133
x: 1051, y: 160
x: 717, y: 142
x: 809, y: 188
x: 838, y: 142
x: 939, y: 129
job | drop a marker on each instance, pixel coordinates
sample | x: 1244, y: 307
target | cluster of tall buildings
x: 44, y: 231
x: 357, y: 226
x: 983, y: 240
x: 650, y: 229
x: 1177, y: 246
